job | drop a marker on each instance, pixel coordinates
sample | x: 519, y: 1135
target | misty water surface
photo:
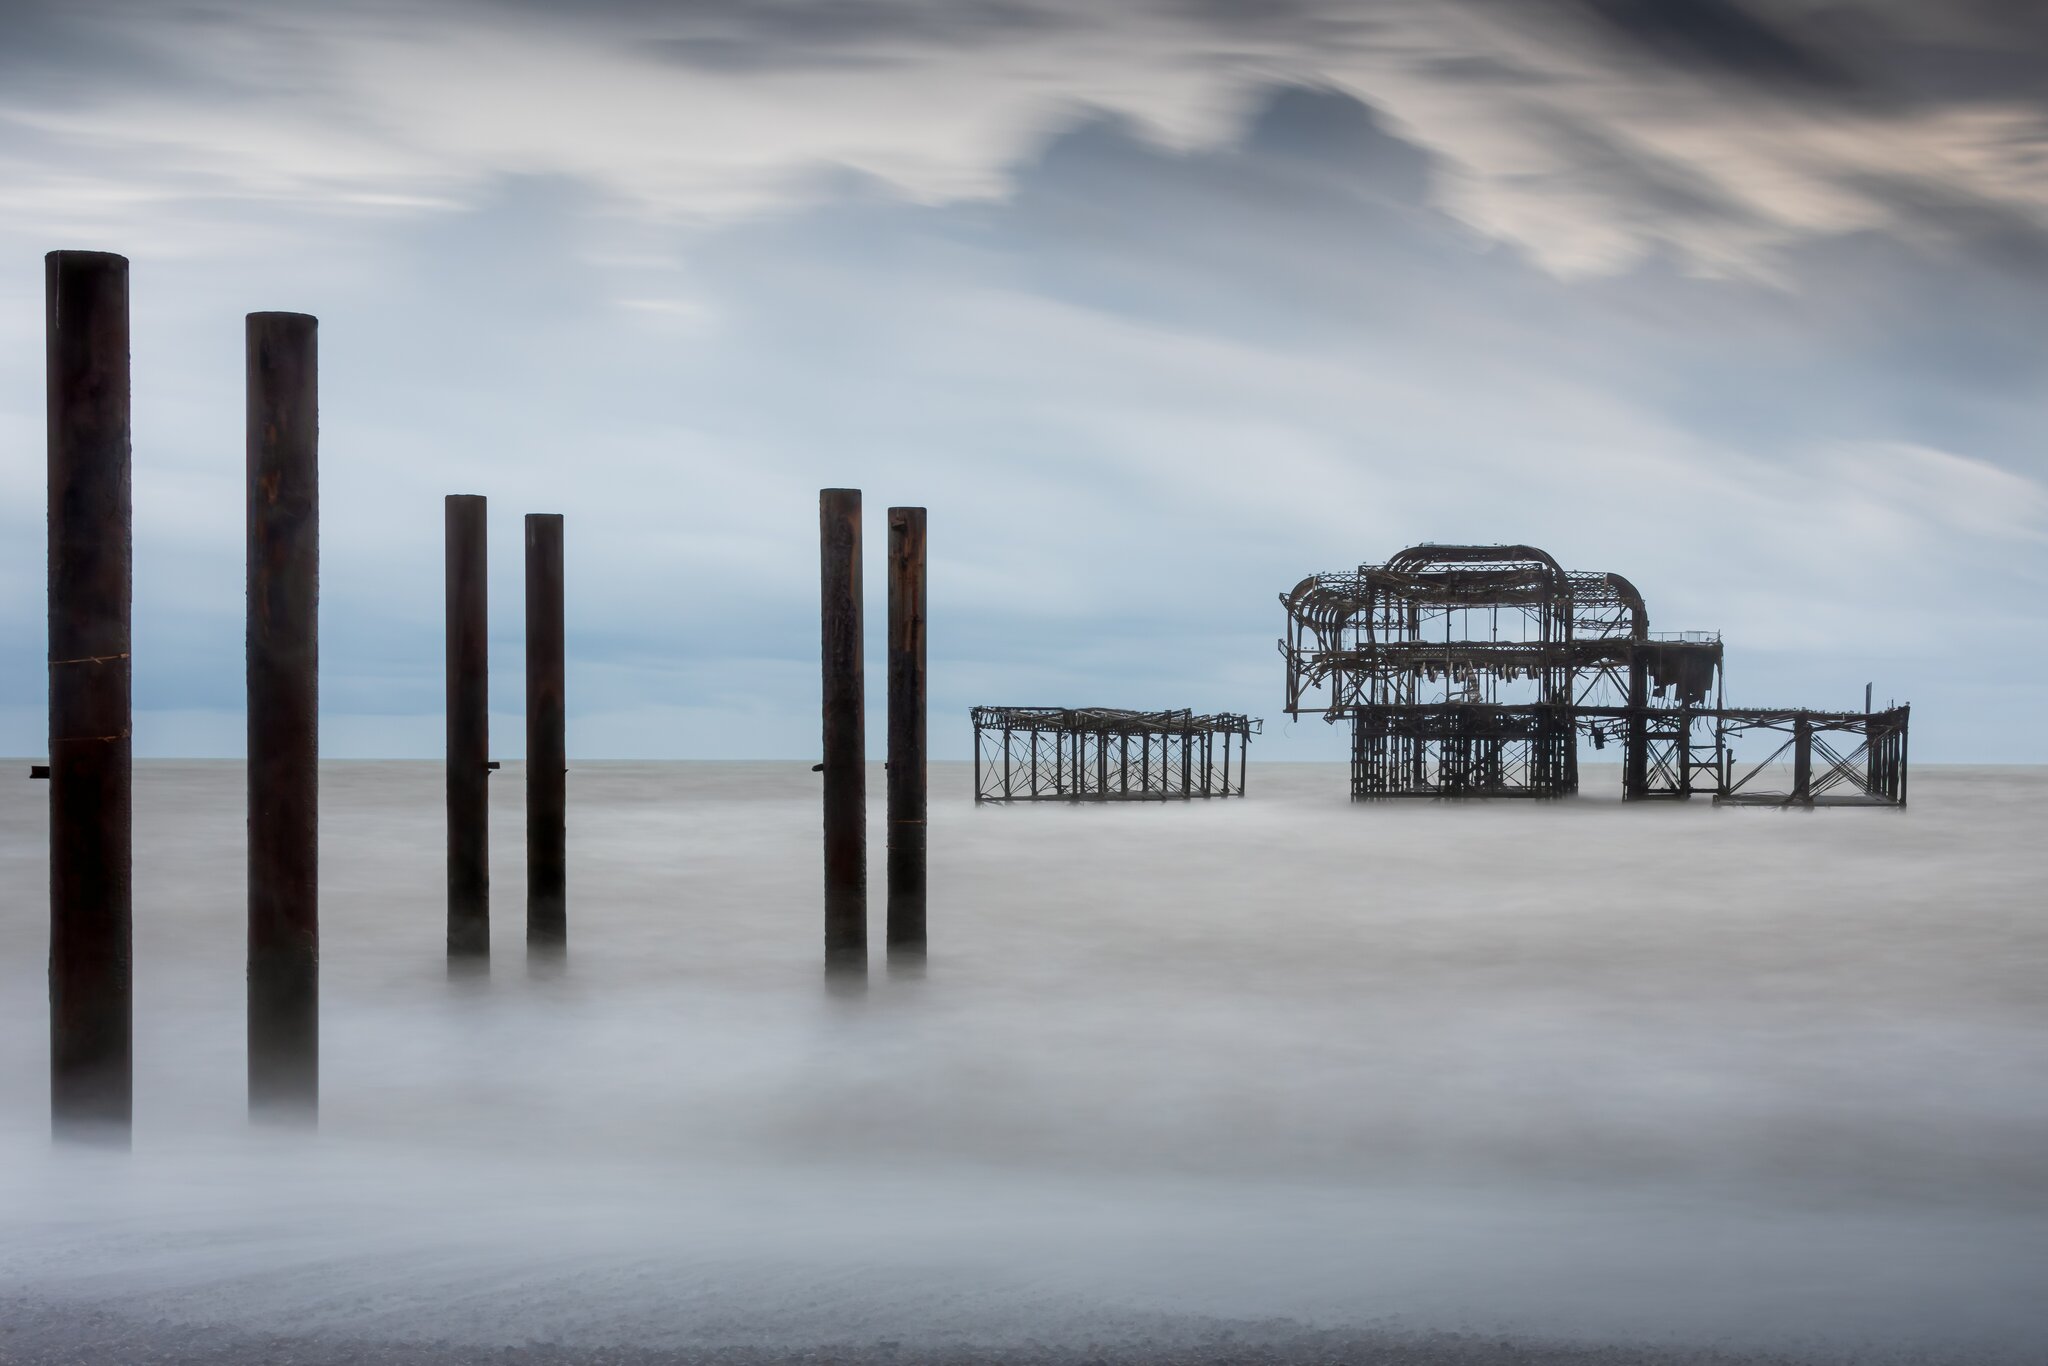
x: 1578, y: 1069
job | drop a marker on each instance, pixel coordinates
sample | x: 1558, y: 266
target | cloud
x: 731, y: 36
x: 1654, y: 191
x: 1242, y: 337
x: 1726, y: 37
x: 1150, y: 343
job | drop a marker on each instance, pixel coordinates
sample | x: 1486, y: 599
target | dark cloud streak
x: 808, y: 35
x: 1725, y: 36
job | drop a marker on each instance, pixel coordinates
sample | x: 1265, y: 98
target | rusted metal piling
x: 86, y: 317
x: 845, y: 735
x: 284, y: 726
x: 547, y: 876
x: 906, y: 781
x: 469, y: 869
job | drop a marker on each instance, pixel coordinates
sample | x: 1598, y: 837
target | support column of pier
x: 283, y: 569
x: 1635, y: 756
x: 547, y: 764
x: 468, y: 700
x: 845, y: 735
x: 1802, y: 761
x: 86, y: 320
x: 906, y: 780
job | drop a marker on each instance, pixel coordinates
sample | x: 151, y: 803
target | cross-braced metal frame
x: 1472, y: 671
x: 1099, y: 754
x: 1862, y: 757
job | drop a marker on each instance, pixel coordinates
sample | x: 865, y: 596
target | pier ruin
x: 1101, y: 754
x: 1473, y: 671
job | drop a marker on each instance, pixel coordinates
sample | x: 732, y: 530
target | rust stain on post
x: 845, y: 735
x: 90, y: 547
x: 469, y: 869
x: 906, y: 772
x: 284, y: 725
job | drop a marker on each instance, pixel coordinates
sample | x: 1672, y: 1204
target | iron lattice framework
x: 1099, y: 754
x: 1475, y: 670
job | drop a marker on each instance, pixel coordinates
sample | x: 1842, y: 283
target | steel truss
x: 1863, y: 757
x: 1472, y: 671
x: 1099, y: 754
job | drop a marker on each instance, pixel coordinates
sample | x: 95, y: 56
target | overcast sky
x: 1157, y: 307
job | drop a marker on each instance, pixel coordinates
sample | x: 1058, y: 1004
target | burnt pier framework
x: 1473, y: 671
x: 1106, y: 754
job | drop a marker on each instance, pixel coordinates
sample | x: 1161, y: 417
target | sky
x: 1157, y: 307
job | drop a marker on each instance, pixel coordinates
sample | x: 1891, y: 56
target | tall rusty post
x: 284, y: 716
x: 906, y: 782
x: 90, y: 591
x: 469, y: 868
x: 845, y: 734
x: 547, y: 876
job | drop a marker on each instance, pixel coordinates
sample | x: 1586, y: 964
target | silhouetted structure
x: 1471, y: 671
x: 1100, y: 754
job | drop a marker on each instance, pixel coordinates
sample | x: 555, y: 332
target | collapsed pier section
x: 1104, y: 754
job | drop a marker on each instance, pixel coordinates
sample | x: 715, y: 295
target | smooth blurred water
x: 1575, y: 1069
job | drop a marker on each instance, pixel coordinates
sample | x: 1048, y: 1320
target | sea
x: 1645, y: 1078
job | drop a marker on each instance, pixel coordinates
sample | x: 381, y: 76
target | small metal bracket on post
x: 491, y: 766
x: 39, y: 771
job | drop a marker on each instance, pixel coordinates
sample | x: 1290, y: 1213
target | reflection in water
x: 1581, y: 1069
x: 846, y: 978
x: 546, y: 959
